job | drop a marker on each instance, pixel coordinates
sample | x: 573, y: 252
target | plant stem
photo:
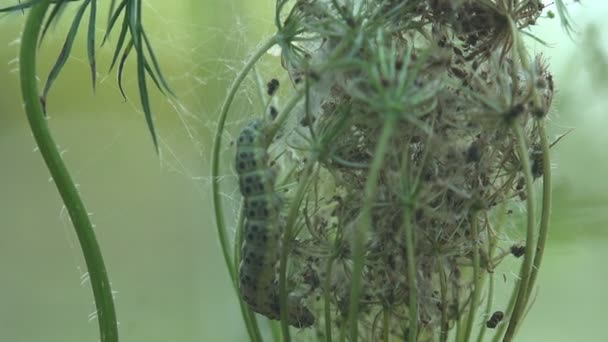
x: 386, y: 330
x: 524, y: 274
x: 327, y: 298
x: 476, y: 282
x: 275, y: 330
x: 215, y: 166
x: 411, y: 272
x: 445, y: 327
x: 285, y: 247
x: 502, y: 327
x: 366, y: 222
x: 482, y: 332
x: 100, y: 283
x: 546, y: 208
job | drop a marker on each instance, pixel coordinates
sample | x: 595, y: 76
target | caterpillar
x: 262, y: 231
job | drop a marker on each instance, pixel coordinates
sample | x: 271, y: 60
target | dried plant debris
x: 417, y: 101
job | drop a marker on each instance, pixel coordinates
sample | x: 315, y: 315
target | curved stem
x: 215, y: 157
x: 524, y: 274
x: 248, y: 317
x: 366, y: 222
x: 546, y: 208
x: 102, y: 291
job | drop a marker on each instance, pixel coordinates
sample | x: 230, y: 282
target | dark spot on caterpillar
x: 273, y: 112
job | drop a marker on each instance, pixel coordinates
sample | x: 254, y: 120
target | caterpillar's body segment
x: 261, y: 238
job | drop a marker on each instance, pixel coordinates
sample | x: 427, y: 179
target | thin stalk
x: 546, y: 208
x: 489, y: 303
x: 285, y: 248
x: 275, y: 330
x: 502, y: 327
x: 411, y: 273
x: 476, y: 279
x: 327, y: 299
x: 259, y: 87
x: 443, y: 334
x: 492, y: 242
x: 459, y: 331
x: 215, y: 166
x: 366, y: 223
x: 100, y: 283
x: 524, y: 274
x: 386, y: 330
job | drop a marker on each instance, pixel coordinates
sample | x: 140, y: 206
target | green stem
x: 502, y: 327
x: 215, y: 166
x: 275, y: 330
x: 482, y: 332
x: 286, y: 243
x: 546, y: 208
x: 411, y: 273
x: 524, y: 274
x: 366, y: 223
x: 386, y: 330
x: 476, y: 279
x: 445, y: 327
x: 100, y: 283
x: 327, y: 298
x: 492, y: 242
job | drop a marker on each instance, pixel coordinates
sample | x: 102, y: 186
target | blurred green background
x: 153, y: 214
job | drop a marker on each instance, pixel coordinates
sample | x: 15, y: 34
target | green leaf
x: 150, y: 72
x: 91, y: 41
x: 121, y: 66
x: 134, y: 15
x: 163, y: 81
x: 28, y: 4
x: 66, y: 49
x: 52, y: 18
x: 112, y: 19
x: 120, y: 41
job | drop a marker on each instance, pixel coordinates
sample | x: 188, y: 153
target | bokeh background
x: 153, y: 212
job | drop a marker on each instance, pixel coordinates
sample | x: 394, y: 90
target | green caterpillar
x: 261, y: 238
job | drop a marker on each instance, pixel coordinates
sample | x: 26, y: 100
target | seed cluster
x: 411, y: 118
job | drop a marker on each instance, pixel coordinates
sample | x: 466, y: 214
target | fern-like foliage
x: 131, y: 37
